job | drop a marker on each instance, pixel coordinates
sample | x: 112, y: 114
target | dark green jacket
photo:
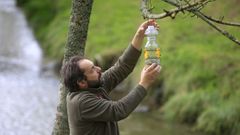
x: 92, y: 112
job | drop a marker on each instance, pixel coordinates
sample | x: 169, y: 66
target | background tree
x: 77, y: 36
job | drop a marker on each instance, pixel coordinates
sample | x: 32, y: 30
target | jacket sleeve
x: 121, y: 69
x: 95, y: 109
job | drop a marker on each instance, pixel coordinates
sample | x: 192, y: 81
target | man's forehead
x: 85, y: 64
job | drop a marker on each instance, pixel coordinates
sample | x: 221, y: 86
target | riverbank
x: 151, y: 123
x: 200, y: 67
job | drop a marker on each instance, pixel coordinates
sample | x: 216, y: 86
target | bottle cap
x: 151, y: 31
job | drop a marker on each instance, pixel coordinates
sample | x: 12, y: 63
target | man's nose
x: 98, y: 69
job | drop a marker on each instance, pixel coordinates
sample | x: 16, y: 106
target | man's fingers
x: 149, y: 22
x: 151, y: 67
x: 156, y: 69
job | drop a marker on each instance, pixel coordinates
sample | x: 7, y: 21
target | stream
x: 28, y: 96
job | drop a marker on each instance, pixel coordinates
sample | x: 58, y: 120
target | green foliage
x: 221, y: 119
x: 212, y: 71
x: 49, y: 19
x: 187, y: 107
x: 56, y: 37
x: 112, y: 25
x: 40, y: 13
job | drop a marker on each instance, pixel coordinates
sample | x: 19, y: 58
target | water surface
x: 28, y: 97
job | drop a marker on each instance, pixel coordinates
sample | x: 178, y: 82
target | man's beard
x: 94, y: 83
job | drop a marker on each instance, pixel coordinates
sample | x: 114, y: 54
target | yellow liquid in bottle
x: 152, y: 56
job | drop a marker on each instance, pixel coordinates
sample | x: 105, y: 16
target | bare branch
x: 220, y: 21
x: 223, y: 32
x: 192, y: 8
x: 171, y: 13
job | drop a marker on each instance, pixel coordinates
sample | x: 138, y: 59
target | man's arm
x: 95, y: 109
x: 121, y: 69
x: 128, y: 60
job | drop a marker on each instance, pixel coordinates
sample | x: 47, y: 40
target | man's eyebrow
x: 92, y: 65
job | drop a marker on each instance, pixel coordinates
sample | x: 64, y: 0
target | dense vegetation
x: 201, y: 68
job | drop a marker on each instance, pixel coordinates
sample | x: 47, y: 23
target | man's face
x: 92, y: 72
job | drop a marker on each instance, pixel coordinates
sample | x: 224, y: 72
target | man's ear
x: 82, y: 84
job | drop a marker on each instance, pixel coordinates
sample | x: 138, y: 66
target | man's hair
x: 72, y: 73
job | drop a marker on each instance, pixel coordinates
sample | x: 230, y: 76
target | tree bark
x: 77, y: 36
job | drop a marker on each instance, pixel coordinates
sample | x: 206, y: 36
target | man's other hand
x: 149, y: 74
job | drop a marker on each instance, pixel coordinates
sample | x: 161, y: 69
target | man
x: 90, y: 109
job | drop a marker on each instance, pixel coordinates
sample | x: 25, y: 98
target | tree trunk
x: 77, y: 36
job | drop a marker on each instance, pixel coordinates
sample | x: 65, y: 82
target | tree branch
x: 193, y: 8
x: 223, y: 32
x: 221, y: 22
x: 171, y: 13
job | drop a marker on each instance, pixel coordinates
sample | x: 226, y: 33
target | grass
x: 200, y: 66
x: 224, y: 118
